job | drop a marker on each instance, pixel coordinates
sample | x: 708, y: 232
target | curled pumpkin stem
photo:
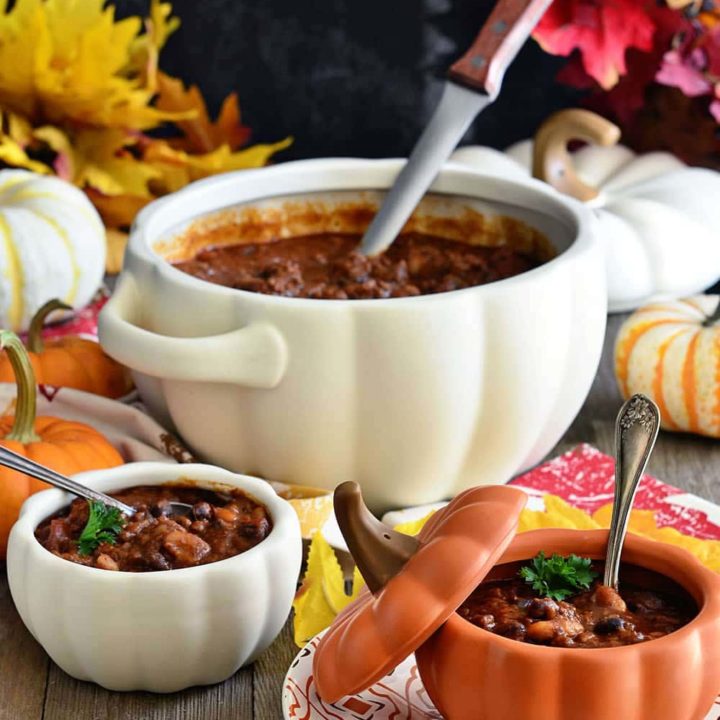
x: 23, y: 429
x: 553, y: 163
x: 34, y: 339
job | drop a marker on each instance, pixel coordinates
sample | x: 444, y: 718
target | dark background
x: 347, y: 77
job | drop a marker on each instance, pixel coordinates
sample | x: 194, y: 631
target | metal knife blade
x: 481, y: 72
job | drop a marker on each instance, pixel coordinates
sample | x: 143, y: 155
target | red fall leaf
x: 601, y: 30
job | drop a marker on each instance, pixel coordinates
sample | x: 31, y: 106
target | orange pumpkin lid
x: 414, y: 584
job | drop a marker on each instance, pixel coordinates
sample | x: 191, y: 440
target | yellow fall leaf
x: 100, y: 162
x: 557, y: 514
x: 116, y: 243
x: 70, y: 60
x: 145, y: 49
x: 176, y: 168
x: 413, y: 527
x: 13, y: 154
x: 322, y: 593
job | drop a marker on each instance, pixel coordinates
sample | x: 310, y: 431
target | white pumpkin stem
x: 23, y: 429
x: 552, y: 162
x: 34, y: 338
x: 714, y: 317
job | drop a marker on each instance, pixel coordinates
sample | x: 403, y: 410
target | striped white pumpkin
x: 52, y: 245
x: 671, y: 352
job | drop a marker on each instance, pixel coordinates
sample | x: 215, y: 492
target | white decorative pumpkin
x: 52, y: 245
x: 658, y: 220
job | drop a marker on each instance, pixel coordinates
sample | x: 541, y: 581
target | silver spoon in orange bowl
x: 12, y: 460
x: 636, y: 430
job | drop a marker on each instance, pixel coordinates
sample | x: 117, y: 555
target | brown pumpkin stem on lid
x: 552, y: 162
x: 379, y: 551
x: 34, y: 338
x: 23, y: 429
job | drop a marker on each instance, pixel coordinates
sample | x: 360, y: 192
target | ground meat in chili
x: 328, y: 266
x: 597, y: 618
x: 223, y: 524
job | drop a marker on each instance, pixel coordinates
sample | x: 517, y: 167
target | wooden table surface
x: 33, y: 688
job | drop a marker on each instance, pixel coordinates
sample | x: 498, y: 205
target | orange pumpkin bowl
x: 472, y: 674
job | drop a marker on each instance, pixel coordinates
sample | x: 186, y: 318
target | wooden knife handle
x: 510, y: 23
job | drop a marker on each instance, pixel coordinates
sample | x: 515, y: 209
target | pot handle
x: 253, y: 356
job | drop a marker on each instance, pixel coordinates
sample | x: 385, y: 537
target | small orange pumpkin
x: 66, y: 446
x: 70, y: 361
x: 670, y: 351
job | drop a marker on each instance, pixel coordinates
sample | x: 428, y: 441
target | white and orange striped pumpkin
x: 670, y: 351
x: 52, y: 245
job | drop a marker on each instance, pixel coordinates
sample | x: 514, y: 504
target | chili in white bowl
x: 156, y: 631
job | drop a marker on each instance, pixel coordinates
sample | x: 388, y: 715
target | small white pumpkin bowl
x: 159, y: 631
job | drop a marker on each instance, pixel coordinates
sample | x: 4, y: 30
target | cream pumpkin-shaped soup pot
x: 415, y: 398
x: 159, y: 631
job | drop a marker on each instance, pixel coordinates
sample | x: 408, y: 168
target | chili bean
x: 608, y: 597
x: 105, y: 562
x: 543, y: 608
x: 202, y: 510
x: 542, y: 631
x: 514, y: 630
x: 608, y: 625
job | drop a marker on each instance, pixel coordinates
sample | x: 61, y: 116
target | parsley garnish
x: 558, y: 577
x: 103, y: 525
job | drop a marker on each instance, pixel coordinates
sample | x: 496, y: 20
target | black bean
x: 514, y: 630
x: 202, y: 510
x: 161, y: 508
x: 609, y: 625
x: 543, y: 609
x: 486, y: 622
x: 157, y: 561
x: 255, y: 530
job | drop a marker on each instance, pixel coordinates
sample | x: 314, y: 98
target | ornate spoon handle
x: 12, y: 460
x: 636, y: 430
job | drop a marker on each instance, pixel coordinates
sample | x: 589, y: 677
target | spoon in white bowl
x: 12, y: 460
x: 636, y: 430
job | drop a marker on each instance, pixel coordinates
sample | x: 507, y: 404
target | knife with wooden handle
x: 473, y: 83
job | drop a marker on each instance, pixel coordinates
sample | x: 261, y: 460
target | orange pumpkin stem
x: 23, y: 429
x: 34, y: 339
